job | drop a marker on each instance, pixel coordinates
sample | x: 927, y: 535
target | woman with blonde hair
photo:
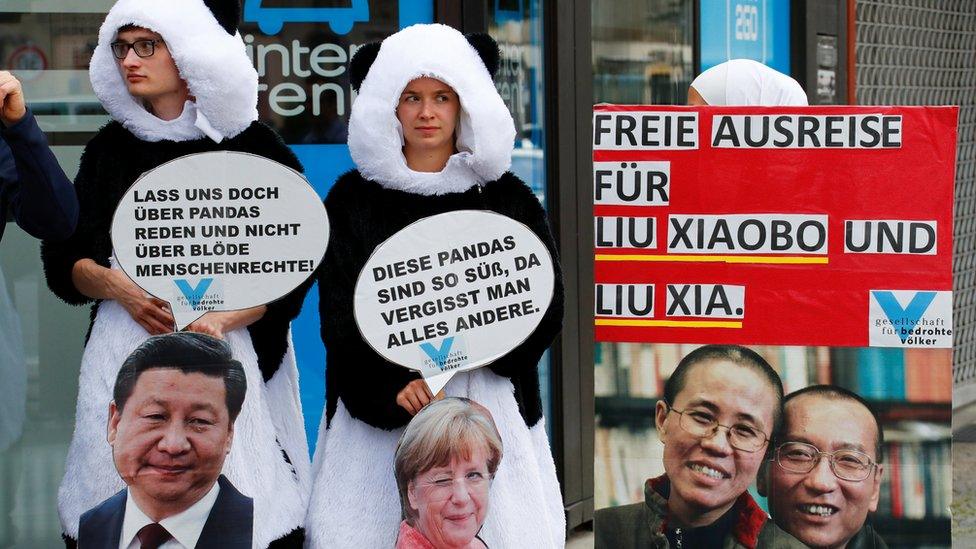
x: 444, y: 465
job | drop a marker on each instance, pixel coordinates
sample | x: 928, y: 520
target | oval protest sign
x: 453, y: 292
x: 219, y: 231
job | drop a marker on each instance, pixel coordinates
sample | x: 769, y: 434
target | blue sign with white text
x: 745, y: 29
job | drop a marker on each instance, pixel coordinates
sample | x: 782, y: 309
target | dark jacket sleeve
x: 627, y: 526
x: 523, y: 206
x: 43, y: 202
x: 366, y: 383
x: 8, y: 183
x: 91, y: 235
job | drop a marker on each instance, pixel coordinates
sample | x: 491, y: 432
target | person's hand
x: 415, y: 396
x: 151, y: 313
x: 212, y: 324
x: 218, y: 323
x: 12, y: 106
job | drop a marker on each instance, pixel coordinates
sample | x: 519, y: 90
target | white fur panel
x: 355, y: 502
x: 375, y: 140
x: 214, y: 64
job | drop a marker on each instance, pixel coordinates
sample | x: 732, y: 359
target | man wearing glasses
x: 825, y: 475
x: 720, y: 406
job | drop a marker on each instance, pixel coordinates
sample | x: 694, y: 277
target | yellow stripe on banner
x: 635, y: 323
x: 715, y: 258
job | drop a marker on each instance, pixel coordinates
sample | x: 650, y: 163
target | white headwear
x: 213, y: 62
x: 746, y: 82
x: 485, y: 134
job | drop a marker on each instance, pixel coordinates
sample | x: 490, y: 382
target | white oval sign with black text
x: 219, y: 231
x: 454, y: 292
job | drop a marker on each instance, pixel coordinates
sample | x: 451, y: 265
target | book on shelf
x: 875, y: 373
x: 917, y: 480
x: 911, y: 375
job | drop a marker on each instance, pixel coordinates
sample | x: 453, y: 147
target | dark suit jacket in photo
x: 229, y: 525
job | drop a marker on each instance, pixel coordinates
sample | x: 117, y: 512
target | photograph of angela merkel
x: 444, y: 466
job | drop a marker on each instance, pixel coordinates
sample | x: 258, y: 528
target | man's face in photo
x: 170, y: 439
x: 707, y: 474
x: 819, y: 508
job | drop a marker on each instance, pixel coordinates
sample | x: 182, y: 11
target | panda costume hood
x: 354, y: 484
x: 485, y: 134
x: 268, y: 461
x: 223, y: 82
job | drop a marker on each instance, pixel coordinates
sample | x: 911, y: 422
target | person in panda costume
x: 429, y: 134
x: 176, y: 80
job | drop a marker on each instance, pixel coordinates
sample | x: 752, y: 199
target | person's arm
x: 8, y: 170
x: 8, y: 182
x: 269, y: 329
x: 44, y: 202
x: 522, y: 205
x: 77, y: 269
x: 91, y: 237
x: 218, y: 323
x: 370, y: 386
x: 97, y: 282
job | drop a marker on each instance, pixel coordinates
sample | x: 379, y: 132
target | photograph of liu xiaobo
x: 498, y: 274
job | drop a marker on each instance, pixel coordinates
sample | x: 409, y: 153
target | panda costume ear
x: 487, y: 49
x: 227, y: 13
x: 362, y: 60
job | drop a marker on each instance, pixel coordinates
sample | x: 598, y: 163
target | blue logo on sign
x: 909, y: 315
x: 194, y: 295
x: 439, y: 356
x: 270, y: 20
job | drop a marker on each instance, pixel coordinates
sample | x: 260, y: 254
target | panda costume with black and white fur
x: 355, y: 501
x: 269, y: 457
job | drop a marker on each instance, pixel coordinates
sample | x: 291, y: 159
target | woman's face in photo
x: 451, y: 501
x: 707, y: 474
x: 428, y: 112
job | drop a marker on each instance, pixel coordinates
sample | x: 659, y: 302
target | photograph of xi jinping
x: 825, y: 476
x: 171, y: 424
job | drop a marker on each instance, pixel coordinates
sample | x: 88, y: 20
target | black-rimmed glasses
x: 143, y: 48
x: 800, y: 457
x: 704, y: 425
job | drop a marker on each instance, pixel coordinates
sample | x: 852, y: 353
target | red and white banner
x: 774, y: 225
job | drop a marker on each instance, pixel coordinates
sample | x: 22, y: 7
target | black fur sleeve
x: 91, y: 238
x: 517, y: 201
x: 366, y: 383
x: 270, y: 332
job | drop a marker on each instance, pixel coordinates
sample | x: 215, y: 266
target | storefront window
x: 642, y: 51
x: 517, y: 27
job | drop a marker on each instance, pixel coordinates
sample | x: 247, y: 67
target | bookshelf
x: 909, y: 389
